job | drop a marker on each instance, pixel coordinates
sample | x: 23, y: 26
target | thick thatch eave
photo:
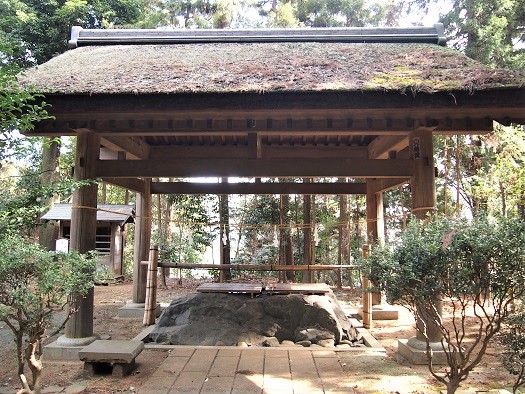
x: 265, y: 67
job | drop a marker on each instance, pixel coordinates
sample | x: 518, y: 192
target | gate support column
x: 135, y: 309
x: 141, y: 243
x: 79, y: 328
x: 375, y: 230
x: 423, y: 201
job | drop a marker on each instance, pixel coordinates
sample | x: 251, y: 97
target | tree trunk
x: 343, y: 256
x: 224, y: 220
x: 162, y: 237
x: 104, y: 193
x: 307, y: 234
x: 241, y: 228
x: 285, y: 244
x: 49, y: 233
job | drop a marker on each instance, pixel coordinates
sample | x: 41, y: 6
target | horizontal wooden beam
x: 257, y: 188
x: 383, y: 185
x: 231, y: 124
x: 254, y: 151
x: 135, y: 147
x: 136, y: 185
x: 492, y: 103
x: 274, y: 168
x: 381, y: 146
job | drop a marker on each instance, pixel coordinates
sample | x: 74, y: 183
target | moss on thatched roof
x: 264, y: 67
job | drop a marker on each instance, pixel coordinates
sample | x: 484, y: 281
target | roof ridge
x: 418, y: 34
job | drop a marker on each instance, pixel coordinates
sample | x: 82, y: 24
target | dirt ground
x: 108, y: 299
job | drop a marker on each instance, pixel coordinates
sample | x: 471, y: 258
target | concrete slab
x: 66, y: 349
x: 117, y: 351
x: 419, y: 356
x: 135, y: 311
x: 382, y: 312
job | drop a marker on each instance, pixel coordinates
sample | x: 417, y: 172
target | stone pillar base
x: 414, y: 351
x: 381, y: 312
x: 135, y: 311
x: 66, y: 349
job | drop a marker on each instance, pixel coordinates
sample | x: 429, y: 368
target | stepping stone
x: 115, y: 355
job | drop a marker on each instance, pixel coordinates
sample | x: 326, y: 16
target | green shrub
x: 478, y: 265
x: 34, y: 283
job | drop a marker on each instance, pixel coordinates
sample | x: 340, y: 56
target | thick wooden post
x: 423, y: 187
x: 423, y: 183
x: 367, y: 295
x: 151, y: 288
x: 83, y: 229
x: 375, y: 224
x: 141, y: 243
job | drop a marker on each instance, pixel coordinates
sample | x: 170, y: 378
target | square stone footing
x: 418, y: 356
x: 382, y: 312
x: 56, y: 352
x: 135, y: 311
x: 61, y: 350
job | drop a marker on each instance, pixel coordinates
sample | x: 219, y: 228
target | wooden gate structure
x: 359, y: 103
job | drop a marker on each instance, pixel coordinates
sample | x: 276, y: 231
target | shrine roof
x: 281, y: 60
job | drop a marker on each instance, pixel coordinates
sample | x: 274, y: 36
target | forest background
x: 478, y: 175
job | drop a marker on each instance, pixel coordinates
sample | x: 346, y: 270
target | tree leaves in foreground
x: 473, y: 268
x: 513, y: 338
x: 34, y: 284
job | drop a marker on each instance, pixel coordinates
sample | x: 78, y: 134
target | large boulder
x: 228, y: 319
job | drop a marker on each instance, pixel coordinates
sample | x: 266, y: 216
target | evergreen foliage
x: 478, y: 267
x: 34, y: 284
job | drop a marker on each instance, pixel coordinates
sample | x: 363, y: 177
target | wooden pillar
x: 423, y: 187
x: 83, y: 228
x: 367, y: 296
x: 141, y: 243
x: 423, y: 183
x: 375, y: 224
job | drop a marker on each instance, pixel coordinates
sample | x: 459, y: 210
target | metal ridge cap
x: 81, y: 37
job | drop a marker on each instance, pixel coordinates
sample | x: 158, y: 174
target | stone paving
x: 262, y: 370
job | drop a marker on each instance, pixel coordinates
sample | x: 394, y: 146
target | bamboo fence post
x: 151, y: 288
x: 367, y: 295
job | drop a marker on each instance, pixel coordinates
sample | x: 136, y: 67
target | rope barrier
x: 270, y: 226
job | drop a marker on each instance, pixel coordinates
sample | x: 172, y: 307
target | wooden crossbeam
x: 282, y: 168
x: 257, y: 188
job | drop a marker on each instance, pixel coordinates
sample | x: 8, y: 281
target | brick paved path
x: 262, y: 370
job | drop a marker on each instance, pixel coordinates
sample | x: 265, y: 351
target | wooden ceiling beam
x: 134, y: 184
x: 257, y: 188
x: 272, y: 168
x: 109, y: 125
x: 384, y: 184
x: 493, y: 103
x: 135, y: 147
x: 256, y: 150
x: 381, y: 146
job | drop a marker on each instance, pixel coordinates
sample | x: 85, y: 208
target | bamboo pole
x: 367, y: 295
x: 151, y: 288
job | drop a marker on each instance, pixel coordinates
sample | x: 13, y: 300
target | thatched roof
x: 237, y: 67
